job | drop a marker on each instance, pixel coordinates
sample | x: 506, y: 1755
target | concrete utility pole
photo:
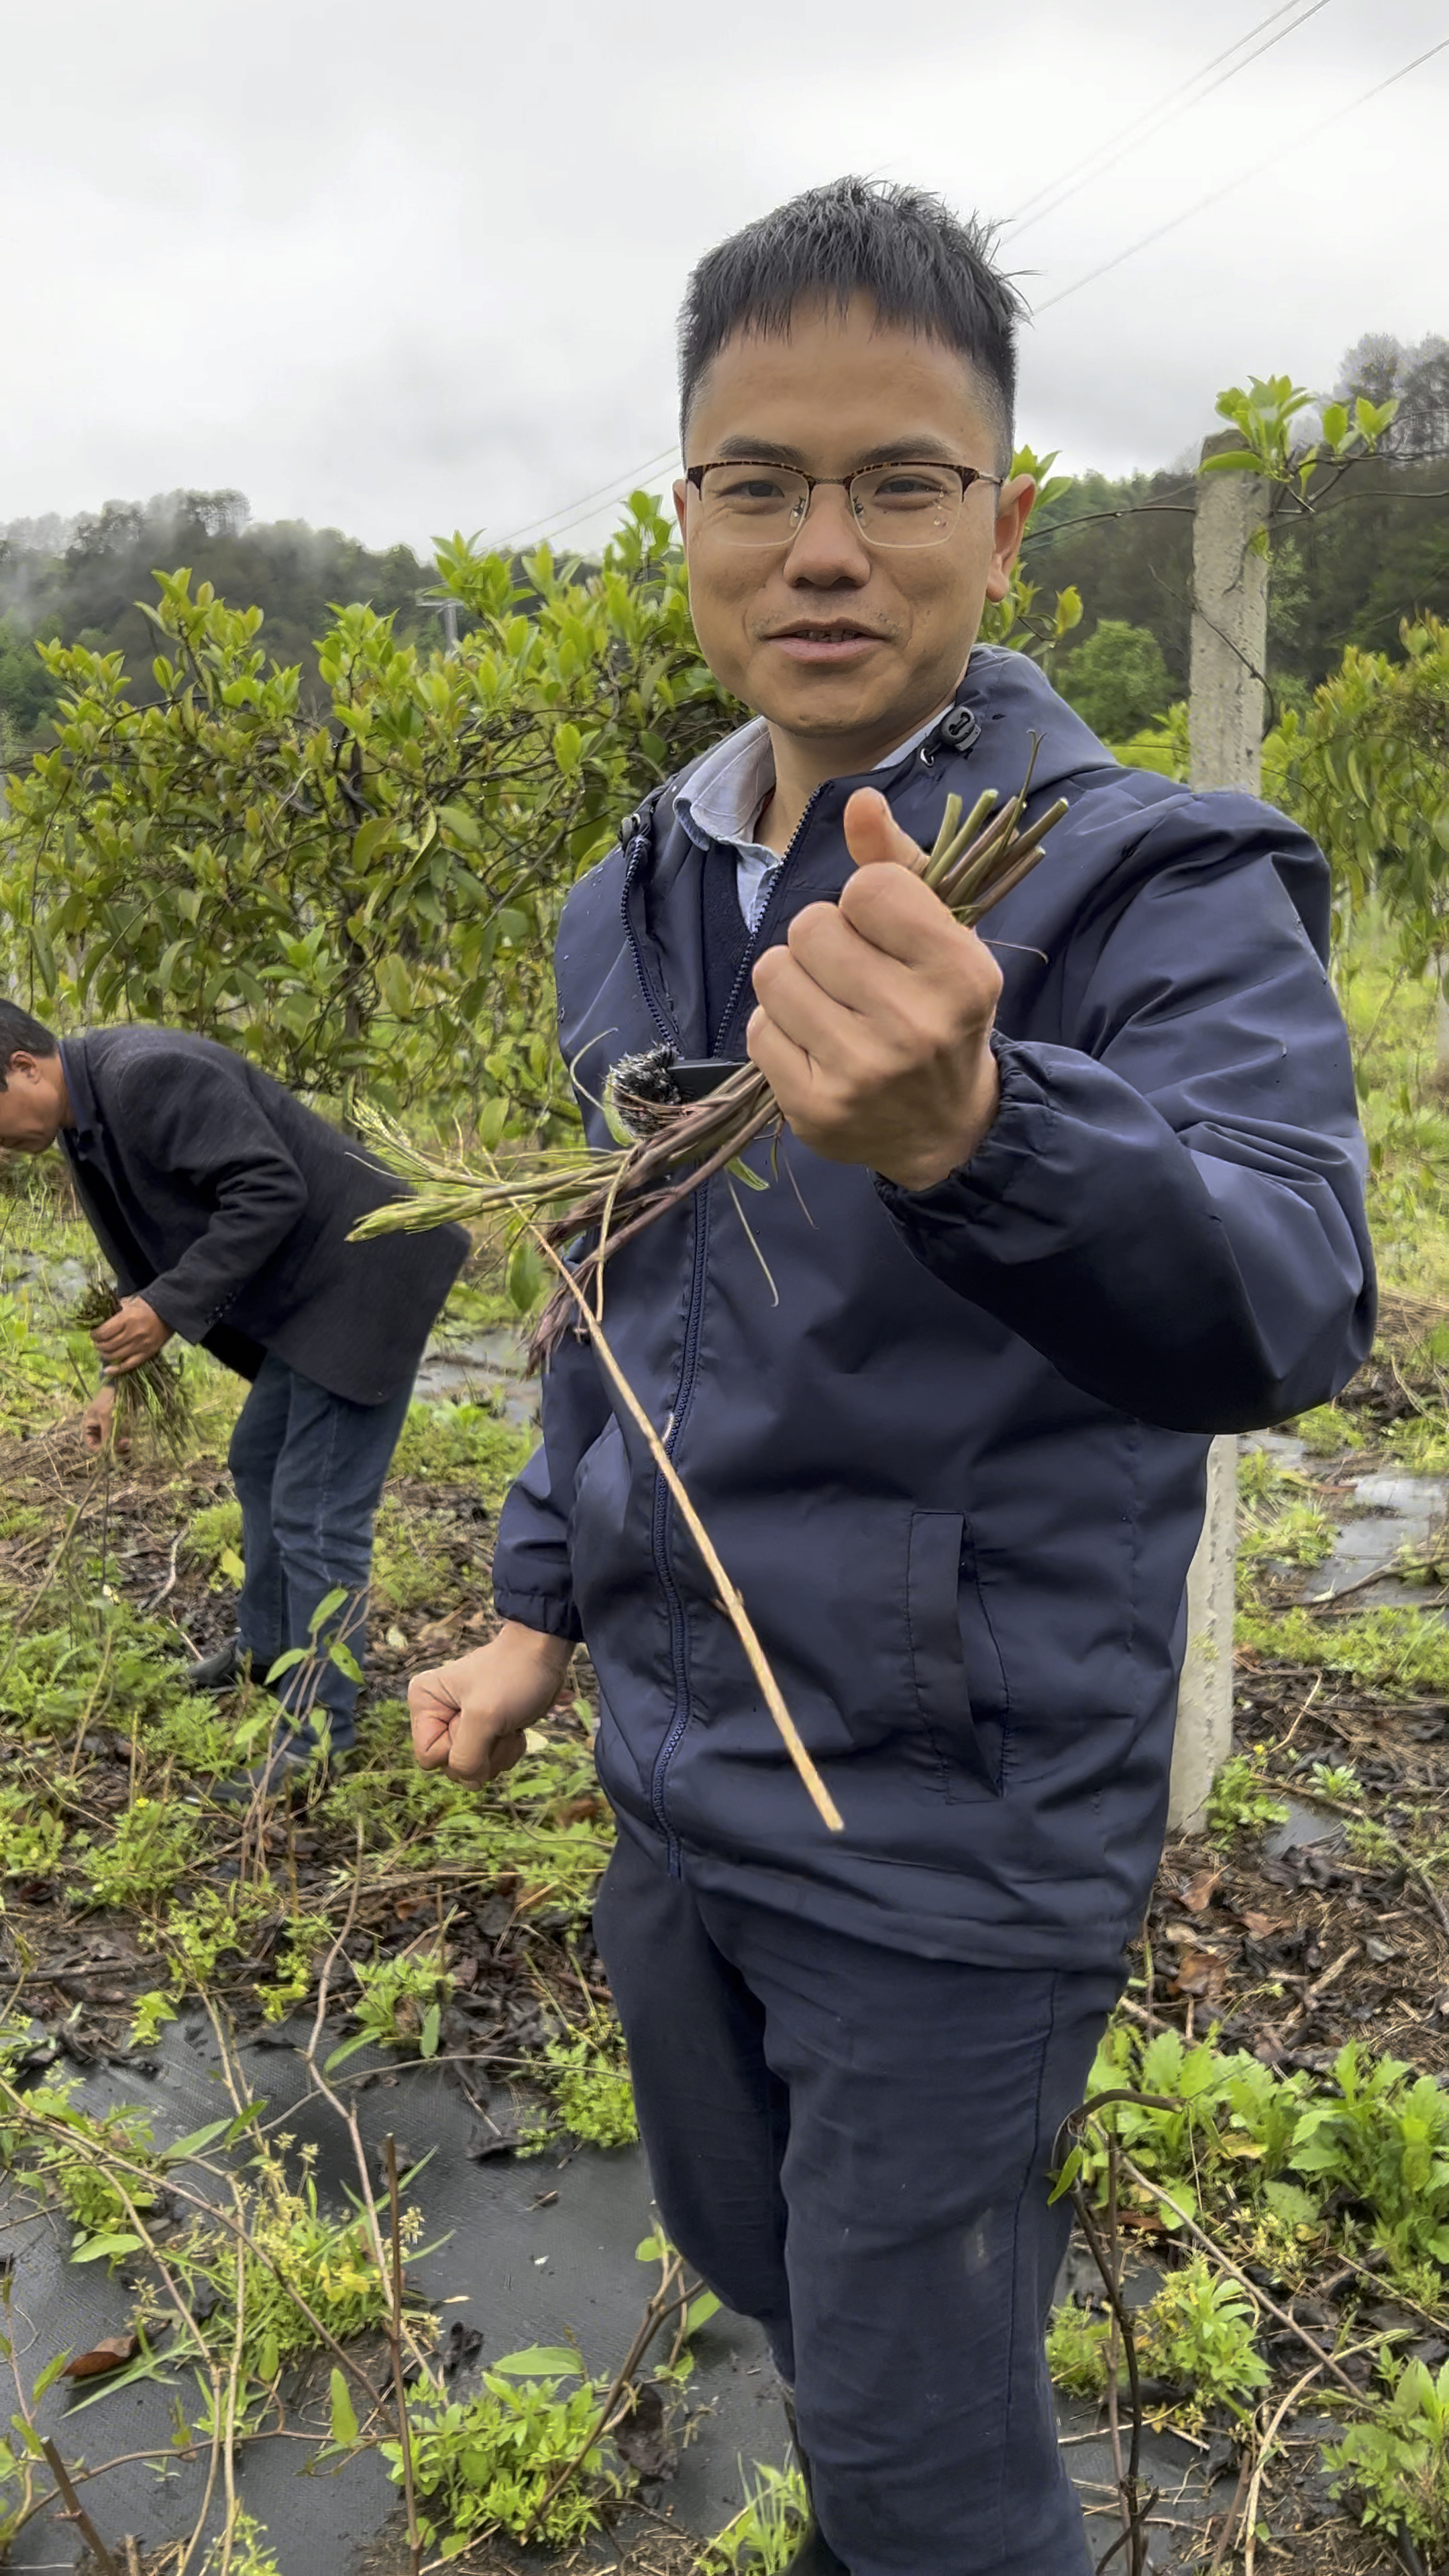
x: 1225, y: 729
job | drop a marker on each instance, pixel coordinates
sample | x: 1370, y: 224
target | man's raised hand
x: 874, y: 1019
x: 470, y: 1717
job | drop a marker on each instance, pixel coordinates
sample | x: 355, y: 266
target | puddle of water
x: 487, y: 1368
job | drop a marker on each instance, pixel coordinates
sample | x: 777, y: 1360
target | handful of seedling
x: 151, y: 1395
x: 668, y: 1145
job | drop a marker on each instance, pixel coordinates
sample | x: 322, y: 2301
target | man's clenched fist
x: 470, y: 1717
x: 874, y: 1021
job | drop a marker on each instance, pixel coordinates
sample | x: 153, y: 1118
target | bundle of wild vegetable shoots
x: 153, y: 1393
x: 669, y: 1145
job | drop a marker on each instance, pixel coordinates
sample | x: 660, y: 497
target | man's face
x: 832, y: 639
x: 32, y: 1104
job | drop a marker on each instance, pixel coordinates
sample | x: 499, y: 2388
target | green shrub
x: 154, y: 1845
x: 1328, y: 1431
x: 1241, y: 1800
x: 1385, y: 2141
x: 1198, y: 2331
x: 462, y: 1444
x: 32, y: 1836
x: 1396, y: 2464
x: 765, y: 2535
x: 590, y: 2083
x: 484, y: 2464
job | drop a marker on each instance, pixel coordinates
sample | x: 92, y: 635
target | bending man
x: 224, y: 1208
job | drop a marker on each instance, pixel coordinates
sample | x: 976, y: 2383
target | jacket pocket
x: 962, y: 1741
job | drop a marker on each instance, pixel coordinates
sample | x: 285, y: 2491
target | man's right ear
x: 681, y: 509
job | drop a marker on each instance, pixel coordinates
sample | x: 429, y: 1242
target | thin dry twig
x: 820, y: 1798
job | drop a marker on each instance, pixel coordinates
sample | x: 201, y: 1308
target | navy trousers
x: 852, y: 2145
x: 308, y: 1468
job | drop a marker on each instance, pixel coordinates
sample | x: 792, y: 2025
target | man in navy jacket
x: 1054, y: 1205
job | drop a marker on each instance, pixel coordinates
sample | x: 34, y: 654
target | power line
x: 558, y: 522
x: 1309, y: 134
x: 1190, y: 94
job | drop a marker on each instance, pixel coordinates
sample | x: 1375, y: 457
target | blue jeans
x: 309, y: 1468
x: 852, y: 2145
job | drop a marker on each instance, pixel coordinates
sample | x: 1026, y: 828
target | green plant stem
x: 394, y: 2342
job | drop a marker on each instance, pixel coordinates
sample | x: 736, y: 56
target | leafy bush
x: 369, y: 895
x: 1077, y: 2344
x: 1422, y: 1443
x: 1117, y: 680
x: 1385, y: 2143
x: 461, y: 1444
x: 1241, y: 1799
x: 484, y: 2464
x: 1396, y: 2464
x: 215, y: 1530
x: 1388, y: 1649
x: 764, y: 2536
x: 590, y: 2083
x: 32, y: 1836
x: 1198, y: 2331
x: 402, y: 2002
x: 1328, y: 1431
x: 154, y: 1845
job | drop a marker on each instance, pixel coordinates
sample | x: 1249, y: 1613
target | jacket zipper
x: 689, y: 1363
x: 659, y: 1534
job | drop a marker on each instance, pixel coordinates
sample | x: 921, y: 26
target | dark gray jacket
x: 228, y: 1205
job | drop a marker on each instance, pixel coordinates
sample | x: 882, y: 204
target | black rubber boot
x: 293, y: 1768
x: 815, y: 2557
x: 226, y: 1670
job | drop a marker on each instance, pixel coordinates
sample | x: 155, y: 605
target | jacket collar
x: 80, y: 1091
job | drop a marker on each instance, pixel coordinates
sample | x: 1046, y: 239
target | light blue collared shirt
x: 723, y: 800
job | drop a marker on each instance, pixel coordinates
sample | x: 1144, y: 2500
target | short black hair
x: 920, y: 264
x: 21, y: 1035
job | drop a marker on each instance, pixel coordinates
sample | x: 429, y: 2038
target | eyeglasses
x: 750, y: 501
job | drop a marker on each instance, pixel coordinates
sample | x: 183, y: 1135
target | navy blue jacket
x: 957, y: 1470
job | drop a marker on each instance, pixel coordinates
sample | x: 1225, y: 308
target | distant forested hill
x: 1374, y: 553
x: 80, y: 580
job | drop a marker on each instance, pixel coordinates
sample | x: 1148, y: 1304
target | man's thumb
x: 872, y: 834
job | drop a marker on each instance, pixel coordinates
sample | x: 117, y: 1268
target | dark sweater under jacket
x: 952, y: 1449
x: 223, y: 1201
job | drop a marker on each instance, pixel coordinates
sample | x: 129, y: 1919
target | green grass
x: 1401, y: 1652
x: 461, y: 1444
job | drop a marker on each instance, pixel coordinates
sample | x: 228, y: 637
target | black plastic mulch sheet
x: 526, y: 2250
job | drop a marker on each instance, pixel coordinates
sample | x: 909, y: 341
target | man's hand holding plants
x: 873, y: 1025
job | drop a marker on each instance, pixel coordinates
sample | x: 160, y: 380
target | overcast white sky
x: 401, y: 270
